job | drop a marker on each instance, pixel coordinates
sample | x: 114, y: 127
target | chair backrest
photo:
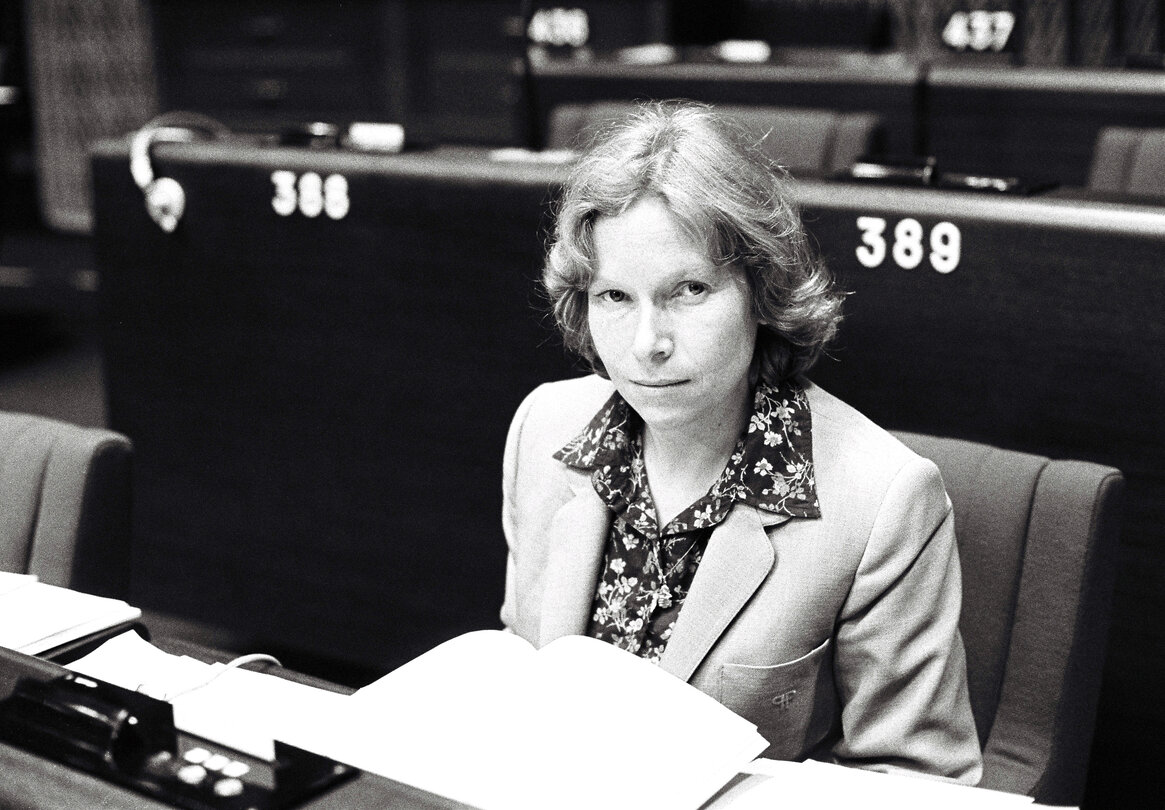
x: 808, y: 142
x: 1129, y: 160
x: 65, y: 496
x: 1037, y: 545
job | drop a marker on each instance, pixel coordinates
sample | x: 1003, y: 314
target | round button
x: 215, y: 762
x: 228, y: 787
x: 235, y: 769
x: 192, y: 774
x: 196, y: 755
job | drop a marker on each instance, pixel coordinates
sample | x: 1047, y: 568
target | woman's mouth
x: 659, y: 383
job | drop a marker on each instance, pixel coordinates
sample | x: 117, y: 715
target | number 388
x: 906, y: 246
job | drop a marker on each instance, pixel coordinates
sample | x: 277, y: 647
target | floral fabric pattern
x: 648, y: 569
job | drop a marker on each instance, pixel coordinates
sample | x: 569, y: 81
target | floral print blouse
x: 647, y: 569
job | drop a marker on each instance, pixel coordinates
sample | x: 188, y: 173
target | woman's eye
x: 614, y: 296
x: 694, y: 288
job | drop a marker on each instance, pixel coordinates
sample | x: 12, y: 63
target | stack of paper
x: 36, y: 618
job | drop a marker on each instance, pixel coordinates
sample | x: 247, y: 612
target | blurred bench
x: 1129, y: 160
x: 807, y: 142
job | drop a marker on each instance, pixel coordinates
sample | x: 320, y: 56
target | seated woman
x: 697, y: 501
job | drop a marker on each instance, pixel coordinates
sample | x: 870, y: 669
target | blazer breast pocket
x: 793, y: 704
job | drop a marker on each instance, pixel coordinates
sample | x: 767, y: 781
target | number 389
x: 908, y: 246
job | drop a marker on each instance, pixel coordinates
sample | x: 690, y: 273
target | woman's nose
x: 653, y: 338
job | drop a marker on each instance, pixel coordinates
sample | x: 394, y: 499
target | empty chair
x: 65, y: 503
x: 1037, y: 543
x: 808, y: 142
x: 1128, y: 160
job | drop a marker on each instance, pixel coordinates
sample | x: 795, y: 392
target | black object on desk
x: 924, y: 172
x: 129, y: 738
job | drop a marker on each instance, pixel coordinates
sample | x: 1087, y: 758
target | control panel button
x: 216, y: 762
x: 228, y: 787
x: 196, y: 756
x: 192, y: 774
x: 235, y: 769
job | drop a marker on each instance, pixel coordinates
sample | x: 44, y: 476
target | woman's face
x: 675, y: 332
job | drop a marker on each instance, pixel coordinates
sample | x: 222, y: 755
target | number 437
x: 907, y: 248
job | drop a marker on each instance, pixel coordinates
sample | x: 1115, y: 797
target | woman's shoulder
x: 555, y: 412
x: 865, y: 474
x: 846, y: 442
x: 591, y: 388
x: 578, y: 396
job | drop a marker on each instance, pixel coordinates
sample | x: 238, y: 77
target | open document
x: 484, y: 719
x: 496, y: 724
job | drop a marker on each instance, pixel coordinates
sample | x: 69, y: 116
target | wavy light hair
x: 726, y: 194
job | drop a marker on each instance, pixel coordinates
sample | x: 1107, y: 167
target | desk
x: 1032, y: 121
x: 864, y: 84
x: 1026, y: 122
x: 283, y: 377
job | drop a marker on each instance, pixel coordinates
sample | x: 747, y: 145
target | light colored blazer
x: 837, y: 636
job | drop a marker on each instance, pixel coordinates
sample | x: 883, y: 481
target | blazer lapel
x: 577, y: 536
x: 738, y: 558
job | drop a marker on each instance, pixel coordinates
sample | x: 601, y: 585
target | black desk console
x: 71, y: 741
x: 129, y: 739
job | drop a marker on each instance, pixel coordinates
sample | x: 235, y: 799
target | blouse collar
x: 771, y: 467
